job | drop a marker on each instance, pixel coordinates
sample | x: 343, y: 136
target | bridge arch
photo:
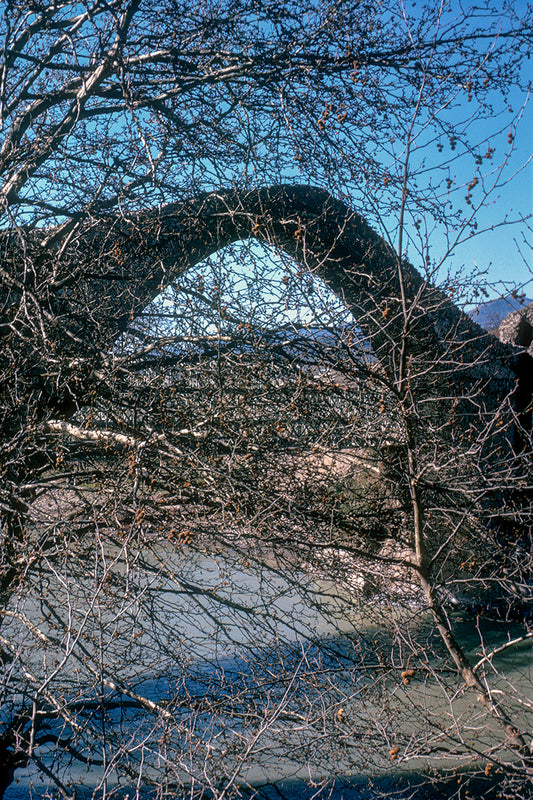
x: 400, y: 313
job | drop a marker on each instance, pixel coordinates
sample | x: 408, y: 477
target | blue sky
x: 494, y: 148
x: 506, y: 250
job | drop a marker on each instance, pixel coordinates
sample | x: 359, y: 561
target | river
x: 282, y: 679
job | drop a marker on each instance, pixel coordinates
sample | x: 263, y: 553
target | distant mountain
x: 307, y: 345
x: 491, y: 314
x: 307, y: 342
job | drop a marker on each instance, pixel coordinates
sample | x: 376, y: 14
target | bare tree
x: 196, y: 441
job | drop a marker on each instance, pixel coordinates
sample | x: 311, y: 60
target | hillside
x: 491, y: 314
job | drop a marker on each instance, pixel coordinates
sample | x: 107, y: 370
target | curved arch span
x: 122, y: 264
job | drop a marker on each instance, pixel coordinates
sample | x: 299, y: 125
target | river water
x: 282, y: 679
